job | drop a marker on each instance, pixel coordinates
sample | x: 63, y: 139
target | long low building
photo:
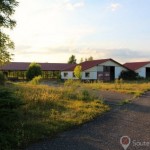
x: 142, y: 68
x: 18, y: 69
x: 103, y: 69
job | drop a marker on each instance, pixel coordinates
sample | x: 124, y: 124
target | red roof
x: 136, y: 65
x: 89, y: 64
x: 22, y: 66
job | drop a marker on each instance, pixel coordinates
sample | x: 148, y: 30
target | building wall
x: 142, y: 71
x: 93, y: 71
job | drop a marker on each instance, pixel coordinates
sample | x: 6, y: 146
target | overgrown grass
x: 49, y: 110
x: 136, y: 88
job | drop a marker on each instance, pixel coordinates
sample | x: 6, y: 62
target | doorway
x: 147, y: 72
x: 112, y: 73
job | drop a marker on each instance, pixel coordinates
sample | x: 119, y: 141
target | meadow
x: 136, y: 88
x: 31, y: 112
x: 46, y: 111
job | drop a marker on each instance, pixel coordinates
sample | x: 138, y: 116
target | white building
x: 142, y: 68
x: 104, y: 69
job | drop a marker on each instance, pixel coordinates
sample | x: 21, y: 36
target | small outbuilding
x: 103, y: 69
x: 142, y: 68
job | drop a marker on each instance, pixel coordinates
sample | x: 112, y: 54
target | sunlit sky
x: 52, y: 30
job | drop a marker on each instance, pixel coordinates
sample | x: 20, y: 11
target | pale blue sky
x: 52, y: 30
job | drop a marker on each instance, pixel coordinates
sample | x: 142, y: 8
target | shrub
x: 128, y: 75
x: 36, y: 80
x: 2, y: 78
x: 9, y: 123
x: 33, y: 71
x: 85, y: 95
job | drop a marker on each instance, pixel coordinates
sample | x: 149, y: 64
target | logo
x: 125, y: 142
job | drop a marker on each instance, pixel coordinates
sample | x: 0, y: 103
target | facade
x: 142, y: 68
x: 17, y: 70
x: 104, y: 69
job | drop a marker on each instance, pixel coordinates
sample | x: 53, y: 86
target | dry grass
x: 136, y: 88
x: 49, y: 110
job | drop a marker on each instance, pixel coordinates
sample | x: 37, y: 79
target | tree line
x: 73, y: 60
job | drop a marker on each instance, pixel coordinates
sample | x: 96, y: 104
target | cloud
x: 72, y: 6
x: 114, y: 6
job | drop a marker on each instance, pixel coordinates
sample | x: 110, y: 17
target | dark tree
x: 72, y: 60
x: 33, y: 71
x: 7, y: 9
x: 128, y: 75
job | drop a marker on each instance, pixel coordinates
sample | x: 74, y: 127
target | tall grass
x: 136, y: 88
x: 49, y: 110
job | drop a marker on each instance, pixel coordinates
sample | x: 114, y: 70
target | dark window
x: 65, y: 74
x: 106, y: 69
x: 73, y: 74
x: 87, y: 74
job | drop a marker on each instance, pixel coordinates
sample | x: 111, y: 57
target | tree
x: 90, y: 58
x: 78, y: 71
x: 33, y: 71
x: 72, y: 59
x: 128, y: 75
x: 7, y: 9
x: 81, y: 60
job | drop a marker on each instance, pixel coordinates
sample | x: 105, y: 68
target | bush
x: 85, y: 95
x: 2, y: 78
x: 36, y: 80
x: 9, y: 119
x: 33, y: 71
x: 128, y: 75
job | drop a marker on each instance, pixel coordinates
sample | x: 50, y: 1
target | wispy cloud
x: 72, y: 6
x: 114, y: 6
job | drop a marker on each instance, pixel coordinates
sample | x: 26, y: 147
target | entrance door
x: 112, y: 73
x: 147, y: 72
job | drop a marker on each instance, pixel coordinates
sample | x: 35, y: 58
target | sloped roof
x: 136, y: 65
x: 22, y: 66
x: 89, y: 64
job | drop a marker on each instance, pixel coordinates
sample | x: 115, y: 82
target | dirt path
x: 104, y: 132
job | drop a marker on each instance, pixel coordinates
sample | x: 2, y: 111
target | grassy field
x: 136, y: 88
x: 47, y: 111
x: 33, y: 112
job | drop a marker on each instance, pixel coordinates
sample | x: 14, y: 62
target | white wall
x: 142, y: 71
x: 93, y: 71
x: 70, y: 75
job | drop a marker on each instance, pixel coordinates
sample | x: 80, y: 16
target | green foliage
x: 51, y: 110
x: 2, y: 78
x: 85, y: 95
x: 33, y: 71
x: 36, y: 80
x: 128, y: 75
x: 6, y: 11
x: 72, y: 59
x: 10, y: 124
x: 78, y: 71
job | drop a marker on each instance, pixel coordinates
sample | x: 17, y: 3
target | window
x: 65, y: 74
x: 106, y: 69
x: 87, y: 74
x: 73, y: 74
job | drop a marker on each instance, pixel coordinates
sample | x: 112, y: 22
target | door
x: 147, y: 72
x: 112, y: 73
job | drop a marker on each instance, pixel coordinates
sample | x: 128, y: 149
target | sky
x: 53, y: 30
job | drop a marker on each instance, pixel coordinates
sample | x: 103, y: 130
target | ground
x: 104, y: 132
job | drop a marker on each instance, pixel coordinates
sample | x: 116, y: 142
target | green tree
x: 78, y: 71
x: 81, y: 60
x: 72, y: 59
x: 7, y: 9
x: 33, y: 71
x: 90, y: 58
